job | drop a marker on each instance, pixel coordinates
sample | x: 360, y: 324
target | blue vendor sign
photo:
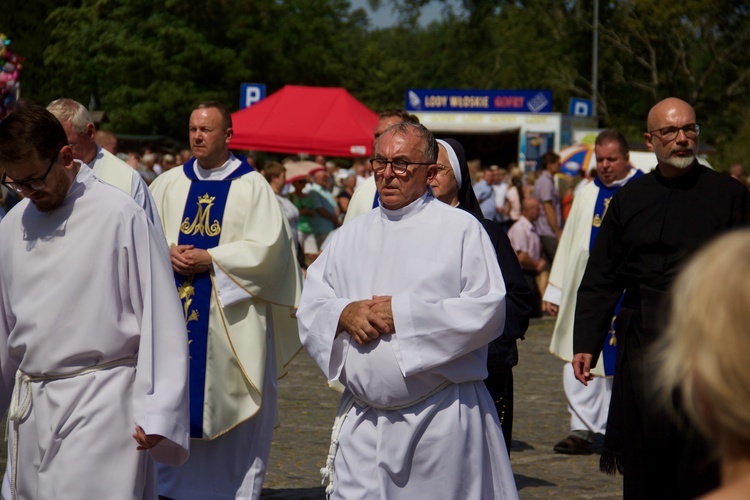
x: 486, y: 101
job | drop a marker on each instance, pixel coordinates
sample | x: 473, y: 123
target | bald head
x: 322, y: 178
x: 106, y: 140
x: 672, y: 135
x: 529, y: 203
x: 530, y: 209
x: 668, y: 110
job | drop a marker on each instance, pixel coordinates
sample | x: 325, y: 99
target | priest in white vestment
x: 93, y: 353
x: 236, y: 270
x: 588, y: 405
x: 79, y: 127
x: 400, y: 308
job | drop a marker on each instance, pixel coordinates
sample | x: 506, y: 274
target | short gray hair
x: 429, y: 145
x: 73, y: 112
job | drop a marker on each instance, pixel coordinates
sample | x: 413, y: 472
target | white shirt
x: 501, y: 191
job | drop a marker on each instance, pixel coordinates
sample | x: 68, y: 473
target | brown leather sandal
x: 573, y: 445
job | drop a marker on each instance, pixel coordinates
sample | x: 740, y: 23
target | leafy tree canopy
x: 147, y: 62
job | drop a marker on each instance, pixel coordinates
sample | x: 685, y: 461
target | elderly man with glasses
x: 406, y: 333
x: 652, y: 225
x: 93, y: 349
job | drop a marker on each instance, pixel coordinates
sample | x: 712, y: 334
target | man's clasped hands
x: 367, y: 320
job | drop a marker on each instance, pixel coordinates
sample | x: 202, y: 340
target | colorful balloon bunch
x: 10, y: 66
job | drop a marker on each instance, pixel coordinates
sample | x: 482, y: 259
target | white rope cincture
x: 19, y: 409
x: 347, y: 401
x: 16, y: 413
x: 326, y: 472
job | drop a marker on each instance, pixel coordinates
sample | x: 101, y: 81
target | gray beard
x: 680, y: 162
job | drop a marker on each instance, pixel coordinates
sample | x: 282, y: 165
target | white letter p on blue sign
x: 580, y: 107
x: 251, y: 93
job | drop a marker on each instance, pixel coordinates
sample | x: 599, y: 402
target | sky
x: 384, y: 17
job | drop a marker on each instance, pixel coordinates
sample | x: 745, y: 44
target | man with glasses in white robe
x: 406, y: 334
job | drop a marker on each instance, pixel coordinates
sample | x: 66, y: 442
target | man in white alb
x: 406, y: 334
x: 237, y: 274
x: 92, y: 343
x: 80, y: 130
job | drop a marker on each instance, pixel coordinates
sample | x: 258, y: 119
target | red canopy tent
x: 316, y: 120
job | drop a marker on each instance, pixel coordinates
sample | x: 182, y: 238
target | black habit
x: 653, y: 225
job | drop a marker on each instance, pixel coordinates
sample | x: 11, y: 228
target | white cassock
x: 86, y: 286
x: 362, y: 199
x: 256, y: 285
x: 588, y: 405
x: 567, y: 271
x: 448, y: 302
x: 119, y: 174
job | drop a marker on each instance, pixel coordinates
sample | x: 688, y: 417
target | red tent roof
x: 316, y: 120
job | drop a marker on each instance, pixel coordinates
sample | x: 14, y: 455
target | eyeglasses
x: 670, y: 133
x: 399, y: 167
x: 35, y: 184
x: 443, y: 169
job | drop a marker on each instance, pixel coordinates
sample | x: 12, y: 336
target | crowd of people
x: 420, y: 270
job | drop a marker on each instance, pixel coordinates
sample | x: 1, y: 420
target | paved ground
x: 308, y: 407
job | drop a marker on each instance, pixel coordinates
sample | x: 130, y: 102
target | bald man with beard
x: 653, y: 225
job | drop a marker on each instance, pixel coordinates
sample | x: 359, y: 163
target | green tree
x: 148, y: 62
x: 647, y: 50
x: 691, y: 49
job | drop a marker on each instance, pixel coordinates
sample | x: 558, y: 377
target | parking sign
x: 251, y: 93
x: 580, y: 107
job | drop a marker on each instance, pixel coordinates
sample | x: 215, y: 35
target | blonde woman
x: 704, y: 357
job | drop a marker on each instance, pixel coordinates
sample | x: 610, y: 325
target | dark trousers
x: 536, y: 310
x: 549, y: 248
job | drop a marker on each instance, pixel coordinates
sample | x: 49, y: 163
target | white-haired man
x: 79, y: 127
